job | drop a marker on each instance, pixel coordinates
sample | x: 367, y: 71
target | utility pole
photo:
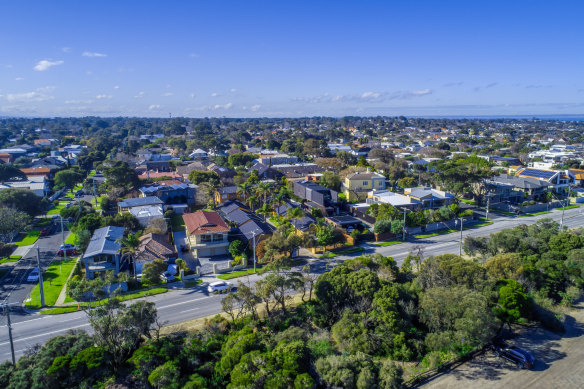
x: 94, y: 195
x: 7, y: 309
x: 42, y: 291
x: 460, y: 247
x: 488, y: 204
x: 254, y: 252
x: 404, y: 227
x: 64, y: 248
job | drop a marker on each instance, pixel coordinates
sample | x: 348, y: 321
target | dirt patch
x: 558, y: 361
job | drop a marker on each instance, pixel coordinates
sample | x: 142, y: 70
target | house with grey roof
x: 514, y: 190
x: 149, y: 201
x: 103, y: 251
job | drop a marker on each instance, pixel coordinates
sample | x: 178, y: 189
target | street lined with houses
x: 178, y: 305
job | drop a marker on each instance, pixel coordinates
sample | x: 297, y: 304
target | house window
x: 365, y: 183
x: 217, y: 237
x: 205, y: 238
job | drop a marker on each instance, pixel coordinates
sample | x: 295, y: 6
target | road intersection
x: 178, y: 305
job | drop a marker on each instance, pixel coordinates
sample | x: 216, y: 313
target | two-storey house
x: 357, y: 185
x: 206, y: 233
x: 103, y: 251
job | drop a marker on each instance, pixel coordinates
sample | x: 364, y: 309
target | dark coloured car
x: 68, y: 251
x: 46, y: 231
x: 522, y: 358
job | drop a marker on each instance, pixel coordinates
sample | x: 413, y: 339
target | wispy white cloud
x: 370, y: 95
x: 194, y: 55
x: 93, y: 54
x: 256, y: 107
x: 18, y: 79
x: 215, y: 94
x: 116, y: 87
x: 27, y: 97
x: 66, y: 49
x: 103, y: 97
x: 154, y: 107
x: 222, y: 106
x: 78, y: 101
x: 140, y: 95
x: 167, y: 94
x: 45, y: 64
x: 233, y: 90
x: 192, y: 95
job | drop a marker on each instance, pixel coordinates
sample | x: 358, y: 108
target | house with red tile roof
x: 206, y: 234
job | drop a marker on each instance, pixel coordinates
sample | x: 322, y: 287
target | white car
x: 218, y: 286
x: 34, y: 275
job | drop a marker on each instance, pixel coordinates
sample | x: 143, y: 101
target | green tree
x: 89, y: 222
x: 119, y: 329
x: 11, y: 173
x: 512, y: 303
x: 151, y: 271
x: 12, y: 222
x: 120, y: 174
x: 22, y: 200
x: 236, y: 248
x: 130, y: 245
x: 67, y: 178
x: 326, y: 235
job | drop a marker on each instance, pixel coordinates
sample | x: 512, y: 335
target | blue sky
x: 293, y: 58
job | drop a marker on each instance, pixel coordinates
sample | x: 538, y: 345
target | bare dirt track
x: 559, y: 362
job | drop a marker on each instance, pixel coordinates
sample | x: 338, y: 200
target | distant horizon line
x: 563, y: 117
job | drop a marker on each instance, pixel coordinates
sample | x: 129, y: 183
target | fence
x: 450, y: 224
x: 528, y: 208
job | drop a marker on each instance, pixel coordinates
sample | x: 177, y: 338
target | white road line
x: 45, y: 334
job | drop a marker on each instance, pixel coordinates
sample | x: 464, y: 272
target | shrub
x: 382, y: 226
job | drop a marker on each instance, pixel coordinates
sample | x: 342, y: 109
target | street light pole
x: 254, y: 252
x: 488, y: 204
x: 404, y: 227
x: 460, y: 247
x: 7, y: 308
x: 42, y: 290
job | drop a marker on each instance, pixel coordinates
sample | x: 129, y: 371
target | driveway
x: 558, y: 362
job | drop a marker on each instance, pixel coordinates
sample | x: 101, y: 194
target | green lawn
x: 57, y: 210
x: 235, y: 274
x: 353, y: 250
x: 471, y: 202
x: 535, y: 213
x: 390, y: 243
x: 190, y: 284
x: 123, y: 297
x: 54, y: 279
x: 178, y: 224
x: 12, y: 258
x: 570, y: 207
x: 30, y: 238
x: 71, y: 238
x: 431, y: 235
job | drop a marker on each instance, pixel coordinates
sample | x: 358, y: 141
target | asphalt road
x: 181, y: 305
x: 14, y: 288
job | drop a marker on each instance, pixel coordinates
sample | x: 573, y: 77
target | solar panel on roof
x: 543, y: 174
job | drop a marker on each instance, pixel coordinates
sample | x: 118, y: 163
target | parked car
x: 522, y: 358
x: 45, y: 231
x: 67, y: 251
x: 167, y: 277
x: 34, y: 275
x: 219, y: 286
x: 67, y: 246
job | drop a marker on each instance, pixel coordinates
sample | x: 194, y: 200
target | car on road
x: 522, y: 358
x: 67, y: 246
x: 219, y: 286
x: 46, y: 231
x: 34, y: 275
x: 67, y: 251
